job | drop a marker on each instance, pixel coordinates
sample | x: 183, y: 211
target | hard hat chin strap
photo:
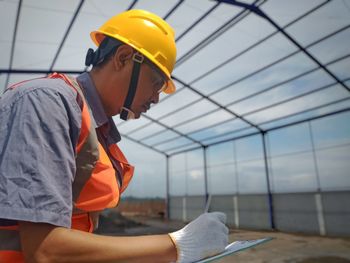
x: 130, y: 115
x: 126, y: 112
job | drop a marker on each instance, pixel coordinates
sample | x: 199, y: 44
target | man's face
x: 114, y: 79
x: 150, y: 84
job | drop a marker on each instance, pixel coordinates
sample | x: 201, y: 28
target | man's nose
x: 155, y: 98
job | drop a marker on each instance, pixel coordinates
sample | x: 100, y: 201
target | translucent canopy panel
x: 315, y: 25
x: 220, y: 154
x: 175, y: 102
x: 237, y: 74
x: 195, y: 159
x: 160, y: 137
x: 222, y: 173
x: 205, y: 121
x: 195, y: 109
x: 132, y: 125
x: 177, y: 162
x: 3, y: 78
x: 304, y: 115
x: 249, y: 32
x: 159, y: 7
x: 285, y: 12
x: 289, y: 68
x: 322, y: 97
x: 208, y: 26
x: 242, y: 65
x: 341, y: 68
x: 183, y: 148
x: 8, y: 13
x: 299, y: 134
x: 244, y: 132
x: 290, y: 178
x: 334, y: 168
x: 249, y: 148
x: 325, y: 51
x: 225, y: 127
x: 279, y: 94
x: 174, y: 144
x: 142, y: 133
x: 39, y: 35
x: 331, y: 131
x: 191, y: 12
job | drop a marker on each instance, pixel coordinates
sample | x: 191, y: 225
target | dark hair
x: 106, y: 58
x: 103, y: 53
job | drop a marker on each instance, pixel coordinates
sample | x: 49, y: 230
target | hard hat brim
x: 171, y: 88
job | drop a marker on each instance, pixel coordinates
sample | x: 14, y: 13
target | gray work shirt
x: 40, y: 123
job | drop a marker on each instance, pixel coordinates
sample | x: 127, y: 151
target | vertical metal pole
x: 205, y: 178
x: 318, y: 196
x: 184, y: 199
x: 272, y: 220
x: 315, y: 159
x: 167, y: 188
x: 236, y: 167
x: 236, y: 196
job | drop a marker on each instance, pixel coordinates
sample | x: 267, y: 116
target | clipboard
x: 235, y: 247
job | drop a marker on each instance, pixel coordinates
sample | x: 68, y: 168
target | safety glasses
x: 159, y: 81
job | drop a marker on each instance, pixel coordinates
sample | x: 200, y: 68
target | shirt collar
x: 95, y: 104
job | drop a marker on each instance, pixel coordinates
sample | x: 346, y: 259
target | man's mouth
x: 145, y: 108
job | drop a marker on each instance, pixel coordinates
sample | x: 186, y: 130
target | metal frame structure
x: 251, y: 128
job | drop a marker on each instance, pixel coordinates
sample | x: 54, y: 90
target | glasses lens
x: 158, y: 80
x: 163, y: 88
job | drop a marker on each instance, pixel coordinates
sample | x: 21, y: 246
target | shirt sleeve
x: 39, y: 128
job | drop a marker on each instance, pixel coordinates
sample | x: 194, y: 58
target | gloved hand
x: 205, y: 236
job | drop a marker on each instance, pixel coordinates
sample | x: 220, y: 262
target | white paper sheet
x: 236, y: 246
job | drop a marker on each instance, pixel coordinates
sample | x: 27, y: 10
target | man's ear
x: 123, y: 54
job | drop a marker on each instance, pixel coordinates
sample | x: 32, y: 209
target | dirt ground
x: 284, y: 248
x: 291, y: 248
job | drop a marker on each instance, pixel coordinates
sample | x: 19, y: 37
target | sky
x: 43, y: 23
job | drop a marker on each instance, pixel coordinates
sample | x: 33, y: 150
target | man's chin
x: 137, y: 115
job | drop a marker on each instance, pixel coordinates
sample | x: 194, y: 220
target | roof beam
x: 218, y: 104
x: 143, y: 144
x: 197, y: 21
x: 132, y: 4
x: 172, y: 129
x: 280, y: 126
x: 235, y: 57
x: 258, y: 11
x: 37, y: 71
x: 66, y: 33
x: 176, y: 6
x: 218, y: 32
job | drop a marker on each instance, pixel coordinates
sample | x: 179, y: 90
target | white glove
x: 205, y: 236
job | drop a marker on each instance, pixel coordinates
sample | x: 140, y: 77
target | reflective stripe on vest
x: 95, y: 186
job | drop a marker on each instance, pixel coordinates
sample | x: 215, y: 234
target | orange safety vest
x: 95, y: 186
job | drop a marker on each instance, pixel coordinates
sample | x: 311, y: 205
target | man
x: 59, y: 162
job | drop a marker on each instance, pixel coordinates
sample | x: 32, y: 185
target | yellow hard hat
x: 148, y: 34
